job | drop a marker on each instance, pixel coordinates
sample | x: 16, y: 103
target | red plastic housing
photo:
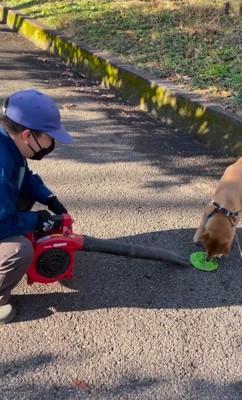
x: 62, y: 238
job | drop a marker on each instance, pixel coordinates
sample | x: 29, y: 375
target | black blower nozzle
x: 133, y: 251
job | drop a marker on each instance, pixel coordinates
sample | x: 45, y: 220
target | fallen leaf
x: 67, y: 73
x: 83, y: 76
x: 64, y: 23
x: 42, y: 59
x: 69, y: 105
x: 80, y: 384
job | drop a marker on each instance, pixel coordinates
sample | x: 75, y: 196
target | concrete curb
x: 219, y: 129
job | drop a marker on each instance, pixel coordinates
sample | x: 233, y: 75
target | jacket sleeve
x: 11, y: 222
x: 34, y: 187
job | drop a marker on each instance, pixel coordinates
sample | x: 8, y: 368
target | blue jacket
x: 16, y: 180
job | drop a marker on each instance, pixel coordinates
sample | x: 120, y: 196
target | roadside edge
x: 219, y: 129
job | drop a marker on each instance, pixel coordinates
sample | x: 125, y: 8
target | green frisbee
x: 198, y: 260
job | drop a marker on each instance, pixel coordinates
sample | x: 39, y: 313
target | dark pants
x: 16, y: 256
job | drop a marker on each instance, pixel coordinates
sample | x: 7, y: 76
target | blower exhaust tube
x: 132, y: 250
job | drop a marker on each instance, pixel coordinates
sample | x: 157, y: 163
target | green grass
x: 193, y: 43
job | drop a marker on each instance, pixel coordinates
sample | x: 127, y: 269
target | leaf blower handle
x: 132, y: 250
x: 57, y: 218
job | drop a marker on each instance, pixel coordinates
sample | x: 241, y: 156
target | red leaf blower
x: 54, y: 252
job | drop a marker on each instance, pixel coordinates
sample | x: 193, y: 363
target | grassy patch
x: 195, y: 43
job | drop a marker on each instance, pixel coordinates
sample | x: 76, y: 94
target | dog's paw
x: 195, y: 240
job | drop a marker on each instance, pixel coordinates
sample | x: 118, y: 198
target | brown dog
x: 220, y: 218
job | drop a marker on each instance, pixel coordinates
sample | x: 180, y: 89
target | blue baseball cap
x: 35, y: 110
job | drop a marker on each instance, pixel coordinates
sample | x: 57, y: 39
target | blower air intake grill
x: 53, y: 263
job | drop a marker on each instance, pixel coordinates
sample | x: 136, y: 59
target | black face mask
x: 38, y: 155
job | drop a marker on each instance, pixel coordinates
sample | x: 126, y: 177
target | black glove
x: 55, y: 206
x: 46, y: 222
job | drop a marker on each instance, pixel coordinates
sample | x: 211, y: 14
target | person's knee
x: 16, y: 253
x: 16, y: 256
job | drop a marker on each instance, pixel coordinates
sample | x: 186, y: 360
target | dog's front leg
x: 200, y: 229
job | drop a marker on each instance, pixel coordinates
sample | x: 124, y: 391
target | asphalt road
x: 123, y: 328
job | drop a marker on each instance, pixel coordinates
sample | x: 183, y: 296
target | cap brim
x: 61, y: 135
